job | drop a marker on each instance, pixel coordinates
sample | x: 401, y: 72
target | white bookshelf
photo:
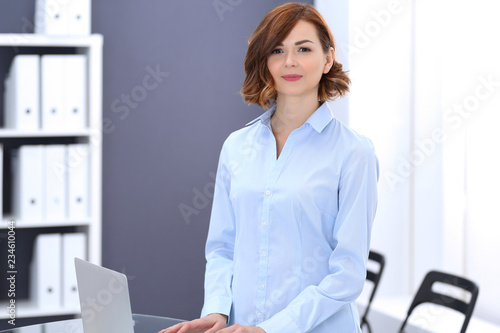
x: 39, y: 40
x: 91, y: 46
x: 12, y: 133
x: 20, y: 224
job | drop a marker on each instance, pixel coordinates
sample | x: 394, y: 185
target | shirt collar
x: 321, y: 117
x: 318, y: 120
x: 265, y: 118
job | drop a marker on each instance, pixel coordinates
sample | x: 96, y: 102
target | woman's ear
x: 330, y: 56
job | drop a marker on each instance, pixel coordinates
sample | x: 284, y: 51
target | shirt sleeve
x: 220, y: 245
x: 347, y: 262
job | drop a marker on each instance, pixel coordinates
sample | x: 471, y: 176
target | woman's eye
x: 302, y: 49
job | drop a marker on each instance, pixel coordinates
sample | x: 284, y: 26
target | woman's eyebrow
x: 299, y: 42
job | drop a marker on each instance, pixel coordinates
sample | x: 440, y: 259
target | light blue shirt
x: 289, y: 238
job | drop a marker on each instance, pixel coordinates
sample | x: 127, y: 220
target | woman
x: 295, y: 196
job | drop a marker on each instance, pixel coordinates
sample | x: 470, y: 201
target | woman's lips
x: 292, y: 77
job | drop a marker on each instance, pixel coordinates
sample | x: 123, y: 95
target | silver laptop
x: 104, y: 299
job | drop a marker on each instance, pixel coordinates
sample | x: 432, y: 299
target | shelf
x: 42, y: 224
x: 26, y: 309
x: 30, y: 40
x: 16, y: 133
x: 91, y: 226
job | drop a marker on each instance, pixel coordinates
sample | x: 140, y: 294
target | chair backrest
x: 374, y: 277
x: 425, y: 294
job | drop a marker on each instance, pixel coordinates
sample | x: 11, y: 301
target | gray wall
x: 161, y: 149
x: 160, y: 153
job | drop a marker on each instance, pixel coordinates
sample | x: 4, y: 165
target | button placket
x: 276, y: 168
x: 263, y: 255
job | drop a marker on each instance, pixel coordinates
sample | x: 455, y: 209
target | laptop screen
x: 104, y: 299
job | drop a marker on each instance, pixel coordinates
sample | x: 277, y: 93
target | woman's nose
x: 290, y: 60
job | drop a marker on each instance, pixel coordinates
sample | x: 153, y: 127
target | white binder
x: 79, y: 17
x: 74, y: 245
x: 75, y: 83
x: 22, y: 91
x: 55, y: 182
x: 51, y: 17
x: 45, y: 277
x: 52, y: 91
x: 62, y: 17
x: 27, y: 170
x: 78, y: 163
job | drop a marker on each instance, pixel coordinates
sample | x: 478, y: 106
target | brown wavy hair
x: 259, y: 87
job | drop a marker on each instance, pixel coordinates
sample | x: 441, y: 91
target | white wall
x: 336, y: 13
x: 471, y: 76
x: 381, y: 107
x: 420, y: 72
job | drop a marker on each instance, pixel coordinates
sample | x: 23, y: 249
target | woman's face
x: 298, y: 63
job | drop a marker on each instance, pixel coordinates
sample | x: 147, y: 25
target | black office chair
x: 426, y: 295
x: 374, y: 277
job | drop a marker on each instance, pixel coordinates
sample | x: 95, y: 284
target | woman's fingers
x: 178, y: 328
x: 172, y: 329
x: 216, y: 327
x: 195, y: 326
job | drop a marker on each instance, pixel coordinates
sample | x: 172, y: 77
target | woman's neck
x: 292, y: 112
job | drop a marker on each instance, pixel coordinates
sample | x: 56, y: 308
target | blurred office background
x: 426, y: 90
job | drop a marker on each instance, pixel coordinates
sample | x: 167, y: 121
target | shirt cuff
x: 220, y: 305
x: 281, y: 322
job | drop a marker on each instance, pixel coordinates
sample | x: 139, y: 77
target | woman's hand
x: 213, y: 323
x: 210, y: 324
x: 242, y: 329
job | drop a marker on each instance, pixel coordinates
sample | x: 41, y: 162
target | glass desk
x: 142, y: 324
x: 153, y: 324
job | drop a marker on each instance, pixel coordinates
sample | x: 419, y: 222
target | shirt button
x: 261, y: 286
x: 264, y: 224
x: 268, y: 192
x: 263, y: 253
x: 259, y: 315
